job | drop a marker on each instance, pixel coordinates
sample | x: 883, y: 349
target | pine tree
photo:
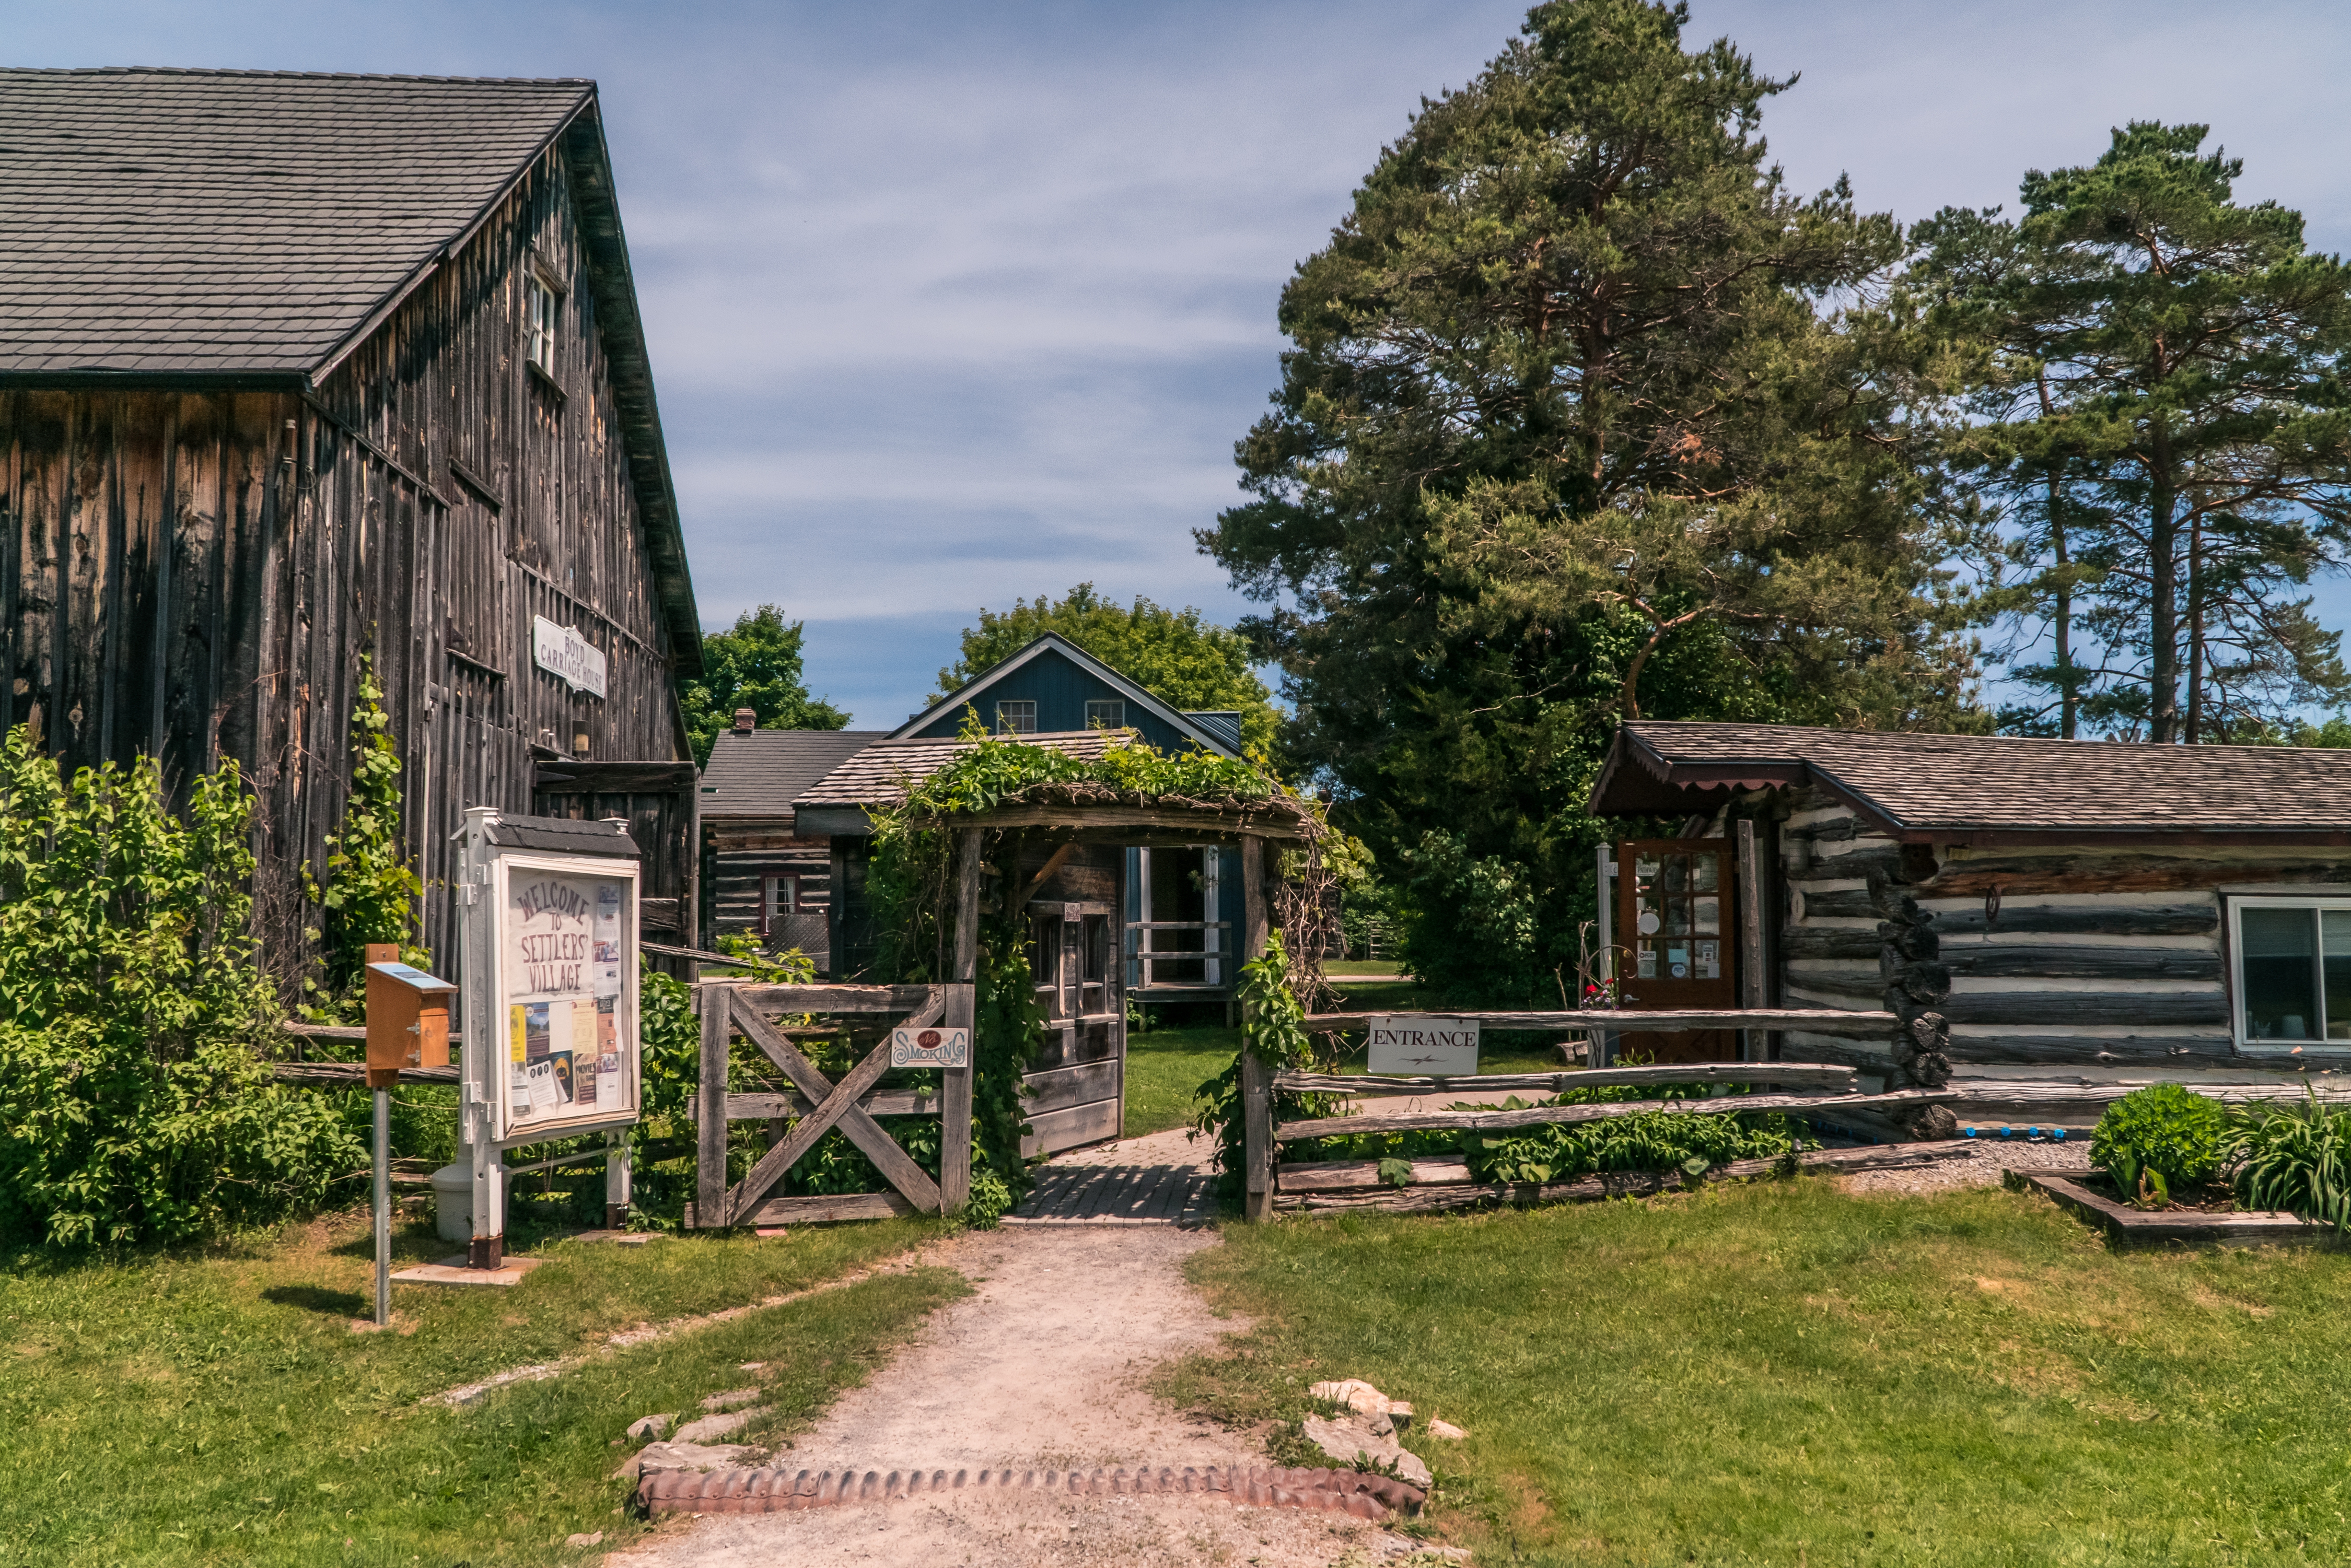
x: 2159, y: 392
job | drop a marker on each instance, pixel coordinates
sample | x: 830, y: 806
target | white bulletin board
x: 563, y: 951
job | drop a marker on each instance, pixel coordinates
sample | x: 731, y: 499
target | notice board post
x: 548, y: 912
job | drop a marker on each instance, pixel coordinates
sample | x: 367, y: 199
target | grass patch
x: 215, y: 1406
x: 1780, y: 1374
x: 1164, y: 1067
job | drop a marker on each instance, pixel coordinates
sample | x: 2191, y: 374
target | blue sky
x: 952, y: 303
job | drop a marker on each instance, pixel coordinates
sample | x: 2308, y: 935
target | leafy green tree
x: 1566, y: 435
x: 2156, y: 396
x: 1177, y: 655
x: 757, y: 665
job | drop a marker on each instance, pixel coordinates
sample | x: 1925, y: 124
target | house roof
x: 1204, y: 728
x: 251, y: 228
x: 761, y: 772
x: 879, y: 775
x: 1983, y: 788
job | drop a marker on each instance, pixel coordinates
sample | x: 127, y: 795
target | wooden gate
x: 729, y: 1008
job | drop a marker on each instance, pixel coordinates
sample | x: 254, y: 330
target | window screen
x: 1106, y: 716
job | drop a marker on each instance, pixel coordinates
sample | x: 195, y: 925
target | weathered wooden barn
x: 2055, y: 922
x: 762, y: 877
x: 297, y: 366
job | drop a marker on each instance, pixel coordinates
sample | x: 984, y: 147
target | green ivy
x: 134, y: 1102
x: 1273, y: 1030
x: 370, y: 891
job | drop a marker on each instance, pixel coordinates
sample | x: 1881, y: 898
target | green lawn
x: 1163, y: 1066
x: 215, y: 1407
x: 1783, y: 1375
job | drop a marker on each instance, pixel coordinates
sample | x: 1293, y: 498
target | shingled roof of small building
x: 879, y: 775
x: 761, y: 772
x: 1990, y: 789
x: 251, y: 228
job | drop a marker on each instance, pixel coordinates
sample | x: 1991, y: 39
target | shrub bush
x: 2296, y: 1158
x: 2160, y: 1137
x: 134, y: 1105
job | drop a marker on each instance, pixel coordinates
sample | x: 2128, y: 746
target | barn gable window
x: 539, y: 325
x: 1016, y: 717
x: 1106, y: 715
x: 2292, y: 968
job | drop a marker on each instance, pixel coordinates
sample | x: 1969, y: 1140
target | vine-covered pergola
x: 1057, y: 816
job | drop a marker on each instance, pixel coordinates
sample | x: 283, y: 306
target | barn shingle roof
x: 182, y: 221
x: 1959, y: 786
x: 239, y: 227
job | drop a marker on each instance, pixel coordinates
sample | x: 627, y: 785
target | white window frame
x: 770, y: 884
x: 1010, y: 712
x: 1115, y: 717
x: 542, y: 311
x: 2233, y: 975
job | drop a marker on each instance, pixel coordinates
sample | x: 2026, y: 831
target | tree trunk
x: 2195, y: 623
x: 2069, y: 687
x: 2163, y: 628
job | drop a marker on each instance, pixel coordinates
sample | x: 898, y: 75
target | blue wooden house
x: 1181, y: 905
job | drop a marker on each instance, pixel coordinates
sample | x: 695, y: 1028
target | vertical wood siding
x: 191, y: 575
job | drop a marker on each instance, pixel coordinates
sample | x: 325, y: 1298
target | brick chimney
x: 746, y: 721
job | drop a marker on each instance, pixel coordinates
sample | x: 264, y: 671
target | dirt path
x: 1042, y: 1367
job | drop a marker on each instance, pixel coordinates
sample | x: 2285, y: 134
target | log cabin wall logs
x: 189, y: 573
x: 2035, y: 968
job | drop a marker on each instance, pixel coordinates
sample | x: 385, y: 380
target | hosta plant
x: 2163, y: 1136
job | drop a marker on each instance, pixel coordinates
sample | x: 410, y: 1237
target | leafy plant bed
x: 2129, y: 1226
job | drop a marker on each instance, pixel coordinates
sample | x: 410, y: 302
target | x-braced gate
x: 729, y: 1008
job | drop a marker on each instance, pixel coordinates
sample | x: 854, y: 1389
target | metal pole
x: 382, y: 1207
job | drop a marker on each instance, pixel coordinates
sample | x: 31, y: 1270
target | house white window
x: 2293, y: 969
x: 540, y: 321
x: 1016, y: 718
x: 1109, y: 715
x: 779, y: 899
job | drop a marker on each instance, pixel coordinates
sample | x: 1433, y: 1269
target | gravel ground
x: 1992, y: 1156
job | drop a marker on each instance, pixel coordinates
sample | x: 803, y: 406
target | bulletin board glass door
x: 1676, y: 920
x: 564, y: 952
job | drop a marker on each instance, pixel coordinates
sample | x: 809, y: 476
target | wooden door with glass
x: 1677, y: 913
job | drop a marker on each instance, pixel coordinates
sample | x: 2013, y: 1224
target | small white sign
x: 562, y: 651
x: 1425, y: 1045
x: 930, y: 1048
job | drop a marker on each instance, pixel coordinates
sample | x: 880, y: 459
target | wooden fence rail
x: 1817, y: 1021
x: 1537, y: 1115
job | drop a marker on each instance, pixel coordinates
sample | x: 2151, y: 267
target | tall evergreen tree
x: 1564, y: 436
x: 2158, y: 393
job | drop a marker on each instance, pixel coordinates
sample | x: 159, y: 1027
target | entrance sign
x: 1424, y: 1045
x: 562, y: 651
x: 930, y: 1048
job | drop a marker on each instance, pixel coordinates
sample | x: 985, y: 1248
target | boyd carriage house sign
x: 561, y: 651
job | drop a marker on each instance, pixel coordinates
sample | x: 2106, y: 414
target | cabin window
x: 1016, y: 718
x: 1106, y: 716
x: 2293, y: 969
x: 540, y: 344
x: 779, y: 900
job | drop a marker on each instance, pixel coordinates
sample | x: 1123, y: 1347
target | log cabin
x: 762, y: 877
x: 2054, y: 922
x: 294, y: 367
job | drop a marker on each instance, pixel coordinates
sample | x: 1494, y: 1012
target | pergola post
x: 955, y: 1107
x: 1257, y: 1078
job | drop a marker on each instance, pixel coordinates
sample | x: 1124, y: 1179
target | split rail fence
x: 1829, y: 1092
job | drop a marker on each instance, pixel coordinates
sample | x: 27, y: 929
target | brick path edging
x: 1356, y: 1493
